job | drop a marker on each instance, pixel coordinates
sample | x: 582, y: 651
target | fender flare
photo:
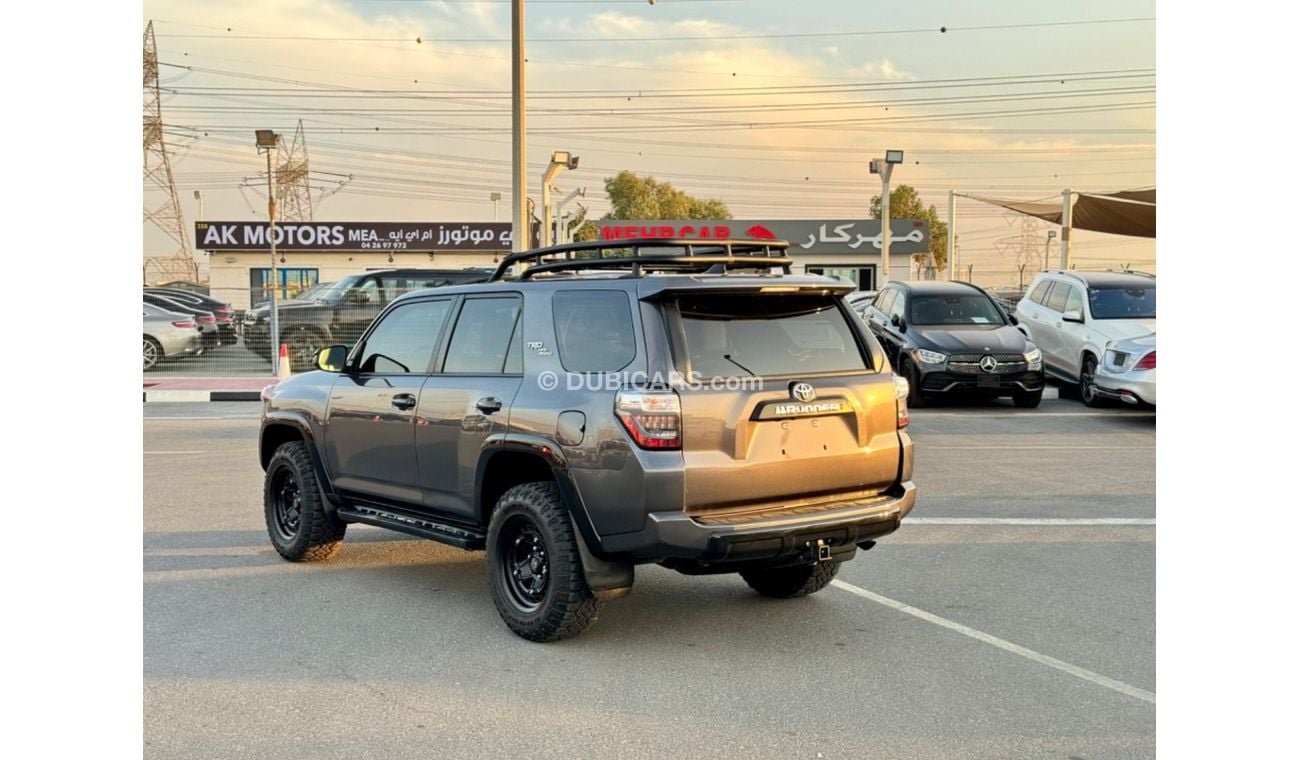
x: 297, y: 422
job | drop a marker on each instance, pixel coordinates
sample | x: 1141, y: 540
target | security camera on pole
x: 885, y: 167
x: 560, y: 160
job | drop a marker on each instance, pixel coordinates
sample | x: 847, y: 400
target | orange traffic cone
x: 285, y: 371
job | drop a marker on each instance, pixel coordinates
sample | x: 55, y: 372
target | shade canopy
x: 1128, y: 212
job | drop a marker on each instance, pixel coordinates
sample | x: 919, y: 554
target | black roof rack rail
x: 694, y: 254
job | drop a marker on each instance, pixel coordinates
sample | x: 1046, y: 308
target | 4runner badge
x: 802, y: 392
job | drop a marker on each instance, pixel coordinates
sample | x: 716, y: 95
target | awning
x: 1128, y: 212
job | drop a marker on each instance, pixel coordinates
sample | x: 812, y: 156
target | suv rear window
x: 593, y: 330
x: 739, y: 335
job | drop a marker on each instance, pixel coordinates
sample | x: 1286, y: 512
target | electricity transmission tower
x: 1026, y: 247
x: 293, y: 192
x: 180, y: 264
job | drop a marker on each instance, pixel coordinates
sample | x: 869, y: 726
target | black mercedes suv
x: 952, y: 338
x: 683, y: 402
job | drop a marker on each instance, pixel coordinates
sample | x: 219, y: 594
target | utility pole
x: 269, y: 142
x: 519, y: 138
x: 952, y: 231
x: 1066, y: 214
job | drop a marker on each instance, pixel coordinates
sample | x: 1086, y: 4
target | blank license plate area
x: 807, y: 437
x: 989, y: 381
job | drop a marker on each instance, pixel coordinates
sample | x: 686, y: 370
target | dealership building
x: 308, y: 253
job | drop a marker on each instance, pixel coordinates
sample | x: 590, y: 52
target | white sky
x: 435, y: 149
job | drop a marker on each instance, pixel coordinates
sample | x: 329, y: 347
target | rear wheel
x: 534, y: 567
x: 1088, y: 383
x: 791, y: 582
x: 153, y: 353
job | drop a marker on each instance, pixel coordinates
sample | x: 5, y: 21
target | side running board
x: 423, y: 527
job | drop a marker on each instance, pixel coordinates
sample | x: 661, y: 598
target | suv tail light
x: 1147, y: 362
x: 900, y: 396
x: 207, y: 319
x: 184, y: 324
x: 652, y: 418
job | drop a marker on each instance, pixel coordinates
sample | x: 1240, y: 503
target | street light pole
x: 496, y: 200
x: 885, y: 168
x: 1047, y: 250
x: 561, y: 234
x: 560, y: 160
x: 952, y: 230
x: 519, y: 139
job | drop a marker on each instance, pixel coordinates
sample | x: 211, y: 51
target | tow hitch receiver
x: 820, y: 551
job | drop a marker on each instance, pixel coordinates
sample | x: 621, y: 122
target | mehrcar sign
x: 803, y: 235
x: 353, y: 236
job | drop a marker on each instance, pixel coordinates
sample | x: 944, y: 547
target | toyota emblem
x: 802, y: 392
x: 988, y: 364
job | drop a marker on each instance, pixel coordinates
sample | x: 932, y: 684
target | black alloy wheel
x: 286, y: 503
x: 525, y: 569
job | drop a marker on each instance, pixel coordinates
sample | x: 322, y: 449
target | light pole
x: 885, y: 167
x: 198, y: 196
x: 561, y: 232
x: 1066, y: 223
x: 1047, y: 251
x: 496, y: 200
x: 519, y: 139
x: 560, y: 160
x: 267, y: 142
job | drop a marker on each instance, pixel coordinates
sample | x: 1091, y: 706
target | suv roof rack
x: 692, y: 255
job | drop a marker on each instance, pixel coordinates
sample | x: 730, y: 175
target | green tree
x: 906, y: 203
x: 633, y: 197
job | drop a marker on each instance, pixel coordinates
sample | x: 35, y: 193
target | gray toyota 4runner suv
x: 684, y: 402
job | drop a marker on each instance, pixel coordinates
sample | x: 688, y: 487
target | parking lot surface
x: 1013, y: 614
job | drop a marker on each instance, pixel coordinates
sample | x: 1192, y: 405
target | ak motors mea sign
x: 803, y: 235
x: 353, y: 236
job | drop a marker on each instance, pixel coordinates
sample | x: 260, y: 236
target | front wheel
x: 534, y: 568
x: 300, y: 528
x: 915, y: 399
x: 1027, y: 399
x: 153, y: 353
x: 791, y: 582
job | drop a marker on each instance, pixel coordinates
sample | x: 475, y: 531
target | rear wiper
x: 738, y: 364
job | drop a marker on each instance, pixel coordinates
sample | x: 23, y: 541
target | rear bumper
x: 1129, y: 387
x: 772, y: 535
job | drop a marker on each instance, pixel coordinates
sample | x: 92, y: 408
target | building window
x: 292, y: 282
x: 865, y: 277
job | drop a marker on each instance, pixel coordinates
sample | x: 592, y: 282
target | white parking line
x: 227, y: 417
x: 173, y: 452
x: 1051, y: 662
x: 1062, y: 521
x: 998, y: 447
x: 923, y: 414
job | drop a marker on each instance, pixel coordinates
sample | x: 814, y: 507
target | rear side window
x: 481, y: 339
x: 1123, y: 303
x: 403, y: 342
x: 740, y: 335
x: 593, y: 330
x: 1056, y: 299
x: 1039, y: 295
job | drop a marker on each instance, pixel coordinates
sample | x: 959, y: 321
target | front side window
x: 1074, y: 301
x: 593, y: 330
x: 481, y: 339
x: 963, y: 309
x: 1123, y: 303
x: 884, y: 300
x: 404, y: 340
x: 740, y: 335
x: 897, y: 306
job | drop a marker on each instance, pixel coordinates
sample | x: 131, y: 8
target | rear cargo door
x: 780, y: 402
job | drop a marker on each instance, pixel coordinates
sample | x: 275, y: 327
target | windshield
x: 742, y: 335
x: 333, y: 292
x: 964, y: 309
x: 314, y: 292
x: 1122, y: 303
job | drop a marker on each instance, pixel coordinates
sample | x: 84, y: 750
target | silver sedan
x: 1128, y: 371
x: 168, y: 335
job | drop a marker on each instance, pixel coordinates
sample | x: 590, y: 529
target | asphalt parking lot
x: 1012, y: 616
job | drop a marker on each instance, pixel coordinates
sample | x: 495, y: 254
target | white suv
x: 1074, y: 316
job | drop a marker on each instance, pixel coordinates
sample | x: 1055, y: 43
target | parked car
x: 207, y: 321
x: 860, y: 301
x: 1127, y: 371
x: 339, y: 314
x: 456, y: 418
x: 1072, y: 316
x: 169, y: 335
x: 223, y: 312
x: 949, y: 338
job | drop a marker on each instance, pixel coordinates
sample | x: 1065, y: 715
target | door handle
x: 404, y: 401
x: 490, y: 405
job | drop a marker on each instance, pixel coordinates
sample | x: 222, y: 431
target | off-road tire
x: 567, y: 605
x: 791, y: 582
x: 153, y: 353
x: 317, y: 535
x: 1027, y: 399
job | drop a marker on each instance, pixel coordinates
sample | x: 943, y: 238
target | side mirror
x: 332, y: 359
x: 1073, y: 315
x: 1011, y: 317
x: 895, y: 320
